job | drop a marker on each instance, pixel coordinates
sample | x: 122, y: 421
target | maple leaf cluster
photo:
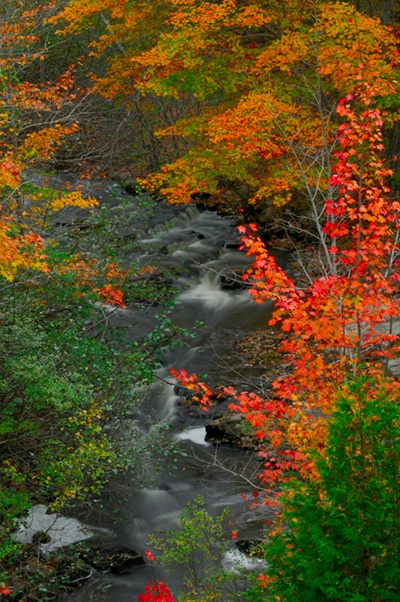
x: 201, y: 392
x: 156, y: 591
x: 343, y: 323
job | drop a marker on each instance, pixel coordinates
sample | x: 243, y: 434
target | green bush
x: 340, y: 535
x: 195, y: 550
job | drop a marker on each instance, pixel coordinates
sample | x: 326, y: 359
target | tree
x: 338, y: 536
x: 64, y: 376
x: 36, y: 119
x: 254, y: 121
x: 261, y: 81
x: 342, y: 323
x: 68, y: 382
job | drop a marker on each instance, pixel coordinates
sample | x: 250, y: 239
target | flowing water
x: 203, y: 245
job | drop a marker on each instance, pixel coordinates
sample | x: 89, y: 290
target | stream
x: 204, y: 244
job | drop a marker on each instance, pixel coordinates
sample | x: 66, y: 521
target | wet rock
x: 50, y: 530
x: 114, y: 559
x: 41, y: 537
x: 230, y: 429
x: 182, y: 392
x: 71, y: 571
x: 246, y: 556
x: 232, y: 281
x: 249, y: 546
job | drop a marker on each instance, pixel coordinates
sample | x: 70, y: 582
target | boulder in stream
x: 115, y: 559
x: 50, y: 530
x: 245, y: 555
x: 231, y: 429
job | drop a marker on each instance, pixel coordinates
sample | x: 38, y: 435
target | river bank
x: 202, y: 247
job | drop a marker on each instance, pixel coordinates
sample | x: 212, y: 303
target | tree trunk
x: 386, y: 12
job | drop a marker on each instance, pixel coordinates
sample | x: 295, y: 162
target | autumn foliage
x: 327, y: 431
x: 33, y: 127
x: 278, y: 109
x: 280, y: 113
x: 156, y: 591
x: 235, y: 126
x: 337, y: 537
x: 345, y: 321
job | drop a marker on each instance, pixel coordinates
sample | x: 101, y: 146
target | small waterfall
x: 208, y: 292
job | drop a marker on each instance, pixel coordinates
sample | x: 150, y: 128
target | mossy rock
x: 230, y: 429
x: 112, y: 559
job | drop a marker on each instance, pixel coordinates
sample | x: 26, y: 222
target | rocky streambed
x: 202, y: 249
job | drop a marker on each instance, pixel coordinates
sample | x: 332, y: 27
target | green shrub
x: 195, y: 550
x: 340, y: 535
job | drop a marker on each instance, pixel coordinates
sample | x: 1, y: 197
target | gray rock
x: 230, y: 429
x: 115, y: 559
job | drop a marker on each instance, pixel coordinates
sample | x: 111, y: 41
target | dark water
x: 203, y: 246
